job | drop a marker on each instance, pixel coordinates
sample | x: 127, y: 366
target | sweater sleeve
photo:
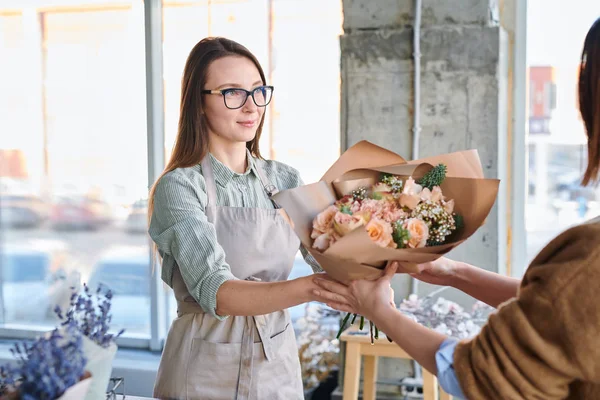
x: 539, y: 343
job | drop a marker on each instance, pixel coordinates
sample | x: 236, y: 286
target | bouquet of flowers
x: 89, y: 314
x: 51, y: 367
x: 412, y: 212
x: 396, y: 213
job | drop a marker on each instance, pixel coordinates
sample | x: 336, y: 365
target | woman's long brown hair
x: 589, y: 100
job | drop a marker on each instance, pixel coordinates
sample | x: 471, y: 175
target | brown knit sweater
x: 545, y: 343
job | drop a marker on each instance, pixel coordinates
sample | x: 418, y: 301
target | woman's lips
x: 247, y: 124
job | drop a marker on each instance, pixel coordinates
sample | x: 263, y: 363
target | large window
x: 73, y: 143
x: 556, y: 138
x: 73, y: 161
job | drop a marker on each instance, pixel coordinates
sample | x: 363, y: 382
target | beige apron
x: 240, y: 358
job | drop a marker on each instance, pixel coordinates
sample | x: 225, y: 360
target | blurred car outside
x: 36, y: 277
x: 137, y: 219
x: 126, y: 272
x: 79, y: 212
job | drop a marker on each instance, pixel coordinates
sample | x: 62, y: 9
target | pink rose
x: 381, y: 233
x: 346, y: 223
x: 323, y: 222
x: 409, y: 200
x: 449, y: 206
x: 436, y: 194
x: 418, y: 231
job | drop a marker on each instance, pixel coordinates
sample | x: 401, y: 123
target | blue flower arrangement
x: 44, y: 368
x: 90, y: 316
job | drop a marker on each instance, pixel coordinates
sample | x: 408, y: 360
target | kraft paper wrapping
x: 356, y: 256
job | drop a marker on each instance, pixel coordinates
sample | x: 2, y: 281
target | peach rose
x: 380, y: 232
x: 323, y: 222
x: 346, y: 223
x: 409, y: 200
x: 418, y: 231
x: 436, y: 194
x: 449, y: 206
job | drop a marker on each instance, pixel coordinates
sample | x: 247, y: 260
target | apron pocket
x: 213, y: 370
x: 280, y: 332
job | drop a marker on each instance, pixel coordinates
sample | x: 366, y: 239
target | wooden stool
x: 358, y: 345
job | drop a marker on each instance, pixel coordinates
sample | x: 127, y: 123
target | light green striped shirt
x: 183, y: 235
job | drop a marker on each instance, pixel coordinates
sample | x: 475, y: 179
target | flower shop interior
x: 89, y: 108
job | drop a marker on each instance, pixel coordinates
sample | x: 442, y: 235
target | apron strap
x: 269, y: 188
x: 211, y: 191
x: 246, y: 361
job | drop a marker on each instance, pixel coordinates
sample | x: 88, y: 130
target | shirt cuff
x: 208, y: 294
x: 444, y: 360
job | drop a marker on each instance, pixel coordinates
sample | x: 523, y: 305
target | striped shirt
x: 185, y: 238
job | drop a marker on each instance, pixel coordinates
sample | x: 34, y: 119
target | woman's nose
x: 250, y: 106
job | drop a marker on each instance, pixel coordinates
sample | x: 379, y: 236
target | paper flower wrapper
x: 355, y: 255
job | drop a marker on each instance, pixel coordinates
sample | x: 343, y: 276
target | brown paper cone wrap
x: 356, y: 256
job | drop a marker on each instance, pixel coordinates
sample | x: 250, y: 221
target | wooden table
x: 358, y: 346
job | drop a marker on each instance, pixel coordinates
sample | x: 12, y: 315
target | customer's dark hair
x: 589, y: 100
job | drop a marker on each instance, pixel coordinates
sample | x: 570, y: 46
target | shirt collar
x: 223, y: 175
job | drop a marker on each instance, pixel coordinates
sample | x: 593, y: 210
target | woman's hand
x: 443, y: 272
x: 363, y: 297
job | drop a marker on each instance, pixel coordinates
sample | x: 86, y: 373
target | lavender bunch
x: 45, y: 368
x: 91, y: 317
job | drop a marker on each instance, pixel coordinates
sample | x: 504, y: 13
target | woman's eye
x: 233, y: 93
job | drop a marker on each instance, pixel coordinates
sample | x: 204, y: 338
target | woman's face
x: 225, y: 125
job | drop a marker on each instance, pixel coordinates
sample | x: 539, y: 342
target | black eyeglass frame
x: 249, y: 93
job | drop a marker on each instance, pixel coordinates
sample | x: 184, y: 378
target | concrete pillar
x: 463, y: 100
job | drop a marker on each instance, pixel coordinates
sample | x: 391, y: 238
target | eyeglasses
x: 236, y: 98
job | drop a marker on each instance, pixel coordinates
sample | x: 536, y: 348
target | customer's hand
x: 442, y: 271
x: 363, y: 297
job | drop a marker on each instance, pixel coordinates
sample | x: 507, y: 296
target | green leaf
x: 345, y: 210
x: 459, y: 221
x: 434, y: 177
x: 400, y: 235
x: 377, y: 196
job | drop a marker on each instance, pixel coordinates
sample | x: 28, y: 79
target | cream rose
x: 436, y: 194
x: 323, y: 222
x: 449, y: 206
x: 425, y: 194
x: 380, y: 232
x: 411, y: 187
x: 418, y: 231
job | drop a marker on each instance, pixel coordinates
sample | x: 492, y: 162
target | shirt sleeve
x: 445, y: 369
x: 181, y: 230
